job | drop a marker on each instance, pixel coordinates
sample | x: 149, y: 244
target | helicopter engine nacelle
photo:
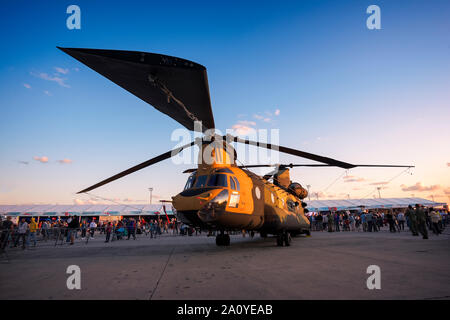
x: 298, y: 190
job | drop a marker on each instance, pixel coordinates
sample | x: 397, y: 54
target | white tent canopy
x: 86, y: 210
x: 376, y: 203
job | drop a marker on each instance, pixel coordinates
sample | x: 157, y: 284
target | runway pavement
x: 324, y: 266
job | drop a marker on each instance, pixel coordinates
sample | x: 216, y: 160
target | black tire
x: 263, y: 235
x: 287, y: 239
x: 226, y: 240
x: 279, y: 240
x: 219, y: 240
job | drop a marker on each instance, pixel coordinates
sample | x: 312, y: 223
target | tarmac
x: 323, y: 266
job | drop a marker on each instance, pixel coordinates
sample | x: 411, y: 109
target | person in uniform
x: 412, y: 219
x: 421, y: 221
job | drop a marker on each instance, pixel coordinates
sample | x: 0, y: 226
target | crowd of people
x: 418, y: 220
x: 28, y: 232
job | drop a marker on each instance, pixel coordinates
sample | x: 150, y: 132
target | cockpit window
x: 232, y: 183
x: 237, y: 183
x: 190, y: 182
x: 201, y: 181
x: 218, y: 180
x: 224, y: 170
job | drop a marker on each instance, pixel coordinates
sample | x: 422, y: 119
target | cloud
x: 65, y: 161
x: 418, y: 187
x: 26, y: 85
x: 244, y: 127
x: 448, y: 164
x: 447, y: 191
x: 48, y: 93
x: 258, y: 116
x: 353, y: 179
x: 378, y: 183
x: 129, y: 200
x: 41, y: 159
x: 62, y: 70
x: 78, y: 201
x: 277, y: 112
x: 54, y: 78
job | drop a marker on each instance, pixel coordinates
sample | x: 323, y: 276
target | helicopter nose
x: 215, y: 208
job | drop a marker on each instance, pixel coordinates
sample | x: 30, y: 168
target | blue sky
x: 359, y: 95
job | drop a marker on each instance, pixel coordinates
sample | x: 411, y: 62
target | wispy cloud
x: 62, y: 70
x: 65, y: 161
x: 48, y: 93
x: 277, y: 112
x: 418, y: 187
x: 378, y: 183
x: 448, y: 164
x: 43, y: 159
x: 54, y: 78
x: 26, y: 85
x: 130, y: 200
x: 23, y: 162
x: 353, y: 179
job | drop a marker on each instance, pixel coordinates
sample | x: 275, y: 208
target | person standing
x: 401, y: 221
x: 421, y: 221
x: 73, y: 228
x: 92, y: 227
x: 108, y: 230
x: 435, y: 217
x: 21, y: 233
x: 131, y: 228
x: 412, y: 220
x: 330, y: 221
x: 390, y: 220
x: 336, y: 222
x: 33, y: 228
x: 83, y: 229
x: 363, y: 219
x: 369, y: 220
x: 7, y: 229
x: 324, y: 222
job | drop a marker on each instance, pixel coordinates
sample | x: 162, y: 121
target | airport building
x: 375, y: 203
x: 99, y: 212
x: 105, y: 212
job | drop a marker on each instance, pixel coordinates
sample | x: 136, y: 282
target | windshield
x: 190, y: 182
x: 218, y: 180
x: 201, y: 181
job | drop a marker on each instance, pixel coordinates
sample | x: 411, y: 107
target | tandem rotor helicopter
x: 219, y: 194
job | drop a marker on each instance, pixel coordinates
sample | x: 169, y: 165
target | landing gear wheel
x: 226, y: 239
x: 287, y: 239
x: 219, y: 239
x: 280, y: 240
x: 223, y: 239
x: 308, y: 233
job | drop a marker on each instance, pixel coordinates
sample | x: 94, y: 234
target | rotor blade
x: 174, y: 86
x: 299, y: 153
x: 140, y: 166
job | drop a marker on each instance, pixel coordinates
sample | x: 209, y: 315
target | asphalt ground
x: 323, y: 266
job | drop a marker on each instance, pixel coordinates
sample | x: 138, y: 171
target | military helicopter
x: 219, y: 194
